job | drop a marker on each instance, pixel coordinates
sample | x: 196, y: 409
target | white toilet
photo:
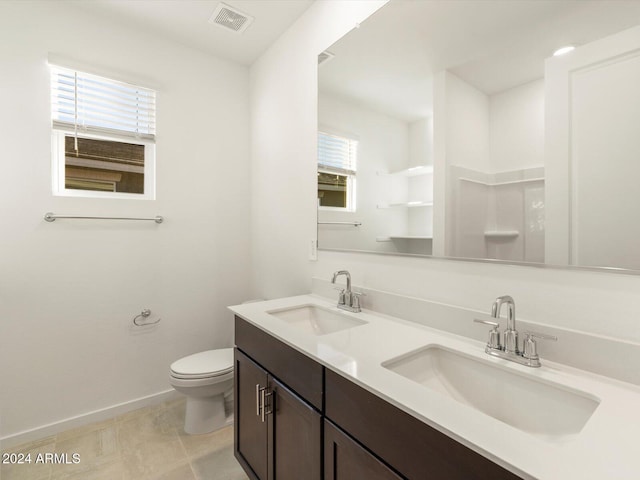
x: 206, y: 378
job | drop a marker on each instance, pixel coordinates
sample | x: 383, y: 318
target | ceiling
x: 186, y: 22
x: 389, y: 62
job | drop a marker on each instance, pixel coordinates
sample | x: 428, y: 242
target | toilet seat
x: 207, y: 364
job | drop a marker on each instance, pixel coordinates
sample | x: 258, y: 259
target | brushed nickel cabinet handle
x: 264, y: 405
x: 262, y: 397
x: 258, y: 399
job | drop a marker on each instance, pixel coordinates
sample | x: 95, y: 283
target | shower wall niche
x: 500, y: 215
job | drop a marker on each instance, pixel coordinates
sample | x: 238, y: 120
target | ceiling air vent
x: 230, y: 18
x: 325, y: 57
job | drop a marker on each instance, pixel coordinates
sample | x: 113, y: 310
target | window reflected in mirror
x: 332, y: 190
x: 337, y: 159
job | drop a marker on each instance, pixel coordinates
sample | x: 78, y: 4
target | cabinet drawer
x: 413, y: 448
x: 300, y: 373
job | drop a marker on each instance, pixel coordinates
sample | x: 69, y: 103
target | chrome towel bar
x: 355, y: 224
x: 51, y: 217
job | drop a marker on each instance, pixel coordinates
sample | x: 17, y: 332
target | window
x: 337, y: 158
x: 103, y: 136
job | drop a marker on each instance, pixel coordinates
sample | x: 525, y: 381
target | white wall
x: 606, y: 206
x: 69, y: 289
x: 517, y: 127
x: 421, y: 142
x: 284, y: 125
x: 464, y: 140
x: 467, y: 120
x: 589, y: 301
x: 421, y: 186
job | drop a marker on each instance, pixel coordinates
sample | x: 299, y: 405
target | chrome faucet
x: 528, y: 355
x: 347, y: 300
x: 510, y: 334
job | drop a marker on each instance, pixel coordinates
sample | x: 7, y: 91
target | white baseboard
x: 85, y: 419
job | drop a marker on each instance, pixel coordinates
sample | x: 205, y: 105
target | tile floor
x: 146, y: 444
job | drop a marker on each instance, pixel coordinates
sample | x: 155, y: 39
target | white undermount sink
x: 528, y: 403
x: 315, y: 319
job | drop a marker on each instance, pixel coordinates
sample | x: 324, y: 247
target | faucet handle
x: 494, y: 334
x: 530, y: 347
x: 341, y: 295
x: 544, y: 336
x: 486, y: 322
x: 355, y: 299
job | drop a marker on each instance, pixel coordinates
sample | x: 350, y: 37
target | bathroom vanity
x: 284, y: 400
x: 326, y: 394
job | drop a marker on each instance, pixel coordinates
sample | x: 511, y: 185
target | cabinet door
x: 297, y: 436
x: 251, y: 433
x: 344, y: 459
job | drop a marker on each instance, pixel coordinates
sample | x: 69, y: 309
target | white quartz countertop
x: 608, y: 447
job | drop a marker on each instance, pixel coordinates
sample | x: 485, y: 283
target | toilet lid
x: 210, y: 363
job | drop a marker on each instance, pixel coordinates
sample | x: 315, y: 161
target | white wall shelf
x: 391, y: 238
x: 409, y: 237
x: 405, y: 204
x: 411, y: 171
x: 498, y: 184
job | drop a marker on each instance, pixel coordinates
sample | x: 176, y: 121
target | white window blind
x: 89, y: 103
x: 337, y: 154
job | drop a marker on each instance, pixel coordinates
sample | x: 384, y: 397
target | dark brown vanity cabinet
x: 277, y: 433
x: 296, y: 420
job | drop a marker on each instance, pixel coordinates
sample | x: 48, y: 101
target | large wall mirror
x: 449, y: 128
